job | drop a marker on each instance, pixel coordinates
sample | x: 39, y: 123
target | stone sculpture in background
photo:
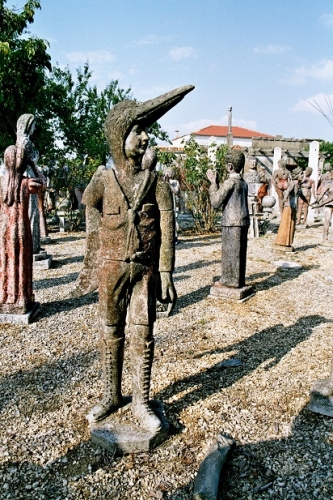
x: 169, y: 177
x: 281, y: 178
x: 136, y: 249
x: 41, y: 259
x: 16, y: 247
x: 231, y: 196
x: 285, y: 236
x: 44, y: 234
x: 324, y: 199
x: 257, y: 189
x: 307, y: 187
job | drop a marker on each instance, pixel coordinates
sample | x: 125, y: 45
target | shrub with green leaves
x: 192, y: 169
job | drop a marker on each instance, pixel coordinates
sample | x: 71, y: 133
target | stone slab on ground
x: 119, y: 433
x: 44, y: 263
x: 234, y: 294
x: 282, y: 248
x: 321, y: 397
x: 284, y: 264
x: 20, y: 319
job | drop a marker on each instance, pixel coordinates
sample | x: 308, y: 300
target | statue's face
x: 136, y: 144
x: 253, y: 164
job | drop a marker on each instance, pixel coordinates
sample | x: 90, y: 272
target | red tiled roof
x: 222, y: 130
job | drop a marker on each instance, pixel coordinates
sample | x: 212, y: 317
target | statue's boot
x: 141, y: 356
x: 113, y: 340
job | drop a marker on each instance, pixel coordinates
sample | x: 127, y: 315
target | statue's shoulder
x: 100, y: 172
x: 95, y: 189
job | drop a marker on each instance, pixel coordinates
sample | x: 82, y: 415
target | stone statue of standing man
x: 136, y: 252
x: 231, y: 197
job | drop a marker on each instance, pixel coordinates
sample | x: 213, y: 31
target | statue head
x: 308, y: 171
x: 282, y: 164
x: 136, y: 144
x: 327, y: 167
x: 129, y: 118
x: 169, y: 172
x: 236, y: 158
x: 25, y: 125
x: 253, y: 162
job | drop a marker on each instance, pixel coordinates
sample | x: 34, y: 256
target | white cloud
x: 327, y: 19
x: 93, y: 56
x: 320, y: 71
x: 271, y: 48
x: 153, y: 40
x: 178, y: 53
x: 319, y: 101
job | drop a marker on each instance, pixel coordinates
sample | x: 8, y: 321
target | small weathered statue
x: 285, y: 236
x: 16, y: 295
x: 252, y: 176
x: 324, y: 199
x: 257, y: 189
x: 41, y: 260
x: 169, y: 174
x: 231, y: 196
x: 307, y: 187
x: 136, y: 249
x: 281, y: 178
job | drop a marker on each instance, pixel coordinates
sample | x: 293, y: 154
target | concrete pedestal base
x: 20, y: 319
x: 120, y: 434
x: 42, y: 260
x: 283, y: 248
x: 234, y: 294
x: 321, y: 397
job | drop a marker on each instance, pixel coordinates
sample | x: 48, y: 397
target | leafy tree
x: 327, y: 148
x: 79, y: 111
x: 155, y: 132
x: 192, y: 167
x: 166, y: 158
x: 70, y: 111
x: 23, y: 64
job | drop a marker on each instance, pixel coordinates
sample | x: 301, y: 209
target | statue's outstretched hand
x: 168, y: 292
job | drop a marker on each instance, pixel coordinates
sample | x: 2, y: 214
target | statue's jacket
x: 142, y: 233
x: 231, y: 197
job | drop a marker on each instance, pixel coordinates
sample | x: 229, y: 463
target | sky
x: 271, y: 61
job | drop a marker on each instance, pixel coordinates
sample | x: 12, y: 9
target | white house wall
x: 206, y: 140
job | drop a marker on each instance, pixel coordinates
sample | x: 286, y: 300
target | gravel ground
x: 51, y: 377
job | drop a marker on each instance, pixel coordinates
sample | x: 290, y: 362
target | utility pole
x: 229, y: 134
